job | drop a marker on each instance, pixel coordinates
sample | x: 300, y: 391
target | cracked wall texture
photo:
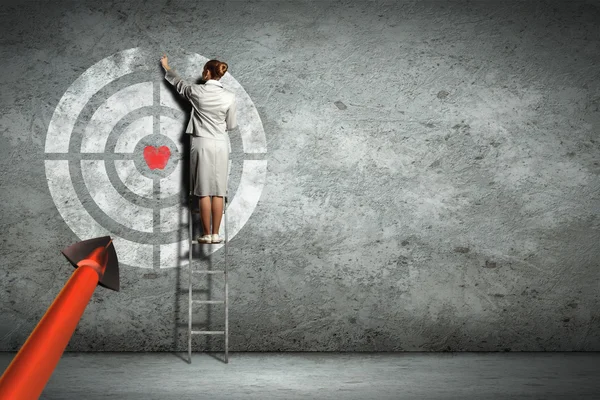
x: 432, y: 179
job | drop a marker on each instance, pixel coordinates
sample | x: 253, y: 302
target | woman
x: 213, y: 114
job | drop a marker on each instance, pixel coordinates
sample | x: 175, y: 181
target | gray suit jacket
x: 213, y: 107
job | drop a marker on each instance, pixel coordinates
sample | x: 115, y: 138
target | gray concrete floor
x: 324, y: 376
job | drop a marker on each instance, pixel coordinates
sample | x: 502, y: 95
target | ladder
x: 193, y: 271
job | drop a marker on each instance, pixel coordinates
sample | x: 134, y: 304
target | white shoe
x: 216, y: 238
x: 205, y: 239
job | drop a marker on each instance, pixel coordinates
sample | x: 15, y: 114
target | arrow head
x: 81, y: 250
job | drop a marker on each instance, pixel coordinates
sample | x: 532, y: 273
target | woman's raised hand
x: 164, y: 61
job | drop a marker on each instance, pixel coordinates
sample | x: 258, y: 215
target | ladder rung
x: 208, y: 271
x: 196, y: 242
x: 208, y: 332
x: 208, y: 301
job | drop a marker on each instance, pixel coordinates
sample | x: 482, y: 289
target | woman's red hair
x: 216, y: 68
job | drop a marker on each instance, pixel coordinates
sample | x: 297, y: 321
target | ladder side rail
x: 226, y: 299
x: 190, y: 251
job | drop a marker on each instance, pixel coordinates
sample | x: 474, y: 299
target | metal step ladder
x: 192, y: 271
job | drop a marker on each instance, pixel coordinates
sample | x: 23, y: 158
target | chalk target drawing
x: 114, y: 158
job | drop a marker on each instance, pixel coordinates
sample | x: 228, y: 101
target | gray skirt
x: 209, y: 162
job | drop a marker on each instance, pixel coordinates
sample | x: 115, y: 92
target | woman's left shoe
x: 216, y: 238
x: 205, y: 239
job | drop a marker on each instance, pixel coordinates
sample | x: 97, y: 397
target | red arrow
x: 95, y: 261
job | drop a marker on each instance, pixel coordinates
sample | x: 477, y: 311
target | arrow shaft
x: 29, y: 371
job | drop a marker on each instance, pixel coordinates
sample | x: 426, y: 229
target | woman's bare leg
x: 204, y: 204
x: 217, y: 213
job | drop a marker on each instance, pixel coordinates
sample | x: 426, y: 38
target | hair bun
x: 216, y: 68
x: 222, y: 68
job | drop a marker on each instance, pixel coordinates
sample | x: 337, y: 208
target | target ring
x: 107, y: 125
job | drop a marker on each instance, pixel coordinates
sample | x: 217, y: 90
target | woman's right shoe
x: 216, y: 238
x: 205, y: 239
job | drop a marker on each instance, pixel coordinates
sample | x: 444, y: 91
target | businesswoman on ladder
x: 213, y: 114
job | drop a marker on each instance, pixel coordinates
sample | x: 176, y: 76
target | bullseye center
x: 156, y: 156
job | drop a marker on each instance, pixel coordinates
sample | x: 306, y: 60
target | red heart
x: 157, y: 158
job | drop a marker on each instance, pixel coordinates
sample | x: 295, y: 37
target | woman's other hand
x: 165, y: 62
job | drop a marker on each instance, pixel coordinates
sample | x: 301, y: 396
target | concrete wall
x: 407, y: 176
